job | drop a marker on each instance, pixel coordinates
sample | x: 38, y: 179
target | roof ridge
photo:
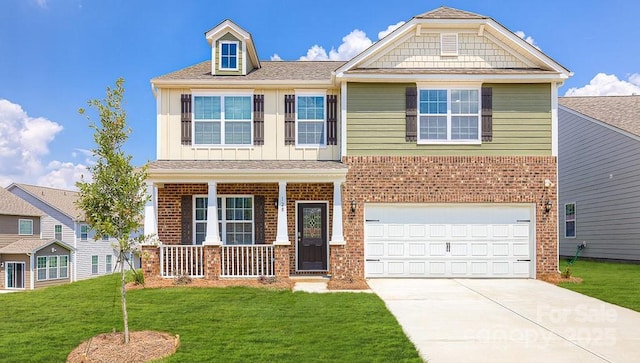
x: 445, y: 12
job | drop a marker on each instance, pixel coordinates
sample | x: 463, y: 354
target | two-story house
x: 27, y: 260
x: 63, y: 221
x: 430, y: 154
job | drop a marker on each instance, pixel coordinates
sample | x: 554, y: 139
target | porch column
x: 282, y: 234
x: 150, y: 221
x: 213, y: 236
x: 337, y: 237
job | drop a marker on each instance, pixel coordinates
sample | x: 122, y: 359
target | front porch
x: 245, y: 223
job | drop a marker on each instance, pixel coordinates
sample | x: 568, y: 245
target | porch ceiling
x: 257, y: 171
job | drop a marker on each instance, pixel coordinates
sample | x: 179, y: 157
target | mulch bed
x: 353, y: 283
x: 109, y: 347
x: 268, y: 283
x: 556, y: 278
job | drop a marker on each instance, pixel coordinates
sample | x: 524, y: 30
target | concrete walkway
x: 509, y: 321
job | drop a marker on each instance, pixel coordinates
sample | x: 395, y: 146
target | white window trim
x: 312, y: 93
x: 450, y: 141
x: 222, y: 95
x: 220, y: 43
x: 86, y: 238
x: 20, y: 221
x: 108, y: 263
x: 223, y: 206
x: 97, y: 264
x: 61, y: 231
x: 47, y: 267
x: 574, y: 220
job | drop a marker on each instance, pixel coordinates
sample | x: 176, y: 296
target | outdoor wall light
x: 1, y: 264
x: 353, y: 206
x: 53, y: 249
x: 548, y: 205
x: 275, y: 201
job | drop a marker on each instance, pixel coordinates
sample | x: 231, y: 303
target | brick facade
x: 447, y: 179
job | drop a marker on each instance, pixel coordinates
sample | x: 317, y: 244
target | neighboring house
x: 26, y: 260
x: 599, y: 176
x: 430, y: 154
x: 63, y: 221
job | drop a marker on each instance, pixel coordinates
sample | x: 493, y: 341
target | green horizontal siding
x: 229, y: 37
x: 376, y: 122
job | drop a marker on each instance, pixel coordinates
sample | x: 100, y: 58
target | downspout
x: 73, y: 253
x: 554, y: 152
x: 32, y: 277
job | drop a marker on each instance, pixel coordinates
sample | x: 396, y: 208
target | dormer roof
x: 227, y: 26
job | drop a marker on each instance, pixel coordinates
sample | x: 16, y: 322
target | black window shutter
x: 186, y: 119
x: 290, y: 119
x: 332, y: 120
x: 487, y: 114
x: 186, y: 207
x: 258, y: 210
x: 411, y: 115
x: 258, y: 119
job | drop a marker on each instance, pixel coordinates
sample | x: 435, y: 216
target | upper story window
x: 57, y: 232
x: 222, y: 120
x: 84, y: 232
x: 25, y: 227
x: 449, y: 116
x: 310, y: 120
x: 228, y: 55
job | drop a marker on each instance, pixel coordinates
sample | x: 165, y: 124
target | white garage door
x: 466, y: 241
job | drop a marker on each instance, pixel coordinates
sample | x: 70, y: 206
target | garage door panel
x: 481, y: 241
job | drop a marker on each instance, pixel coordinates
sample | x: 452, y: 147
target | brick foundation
x: 212, y: 260
x: 150, y: 261
x: 447, y: 179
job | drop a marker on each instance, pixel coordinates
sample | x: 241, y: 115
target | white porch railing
x: 247, y: 261
x: 179, y: 260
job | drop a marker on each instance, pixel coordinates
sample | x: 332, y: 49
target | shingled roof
x: 60, y: 199
x: 13, y: 205
x: 622, y: 112
x: 444, y: 12
x: 31, y: 246
x: 270, y: 71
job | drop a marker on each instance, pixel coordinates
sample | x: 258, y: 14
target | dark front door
x: 312, y: 237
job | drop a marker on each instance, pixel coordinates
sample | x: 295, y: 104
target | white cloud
x: 389, y: 29
x: 608, y: 85
x: 352, y: 44
x: 275, y: 57
x: 527, y: 38
x: 64, y: 175
x: 42, y: 3
x: 24, y: 142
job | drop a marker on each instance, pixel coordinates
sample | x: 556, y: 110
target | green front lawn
x: 617, y: 283
x: 215, y: 324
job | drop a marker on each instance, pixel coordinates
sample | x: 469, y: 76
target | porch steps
x: 310, y: 283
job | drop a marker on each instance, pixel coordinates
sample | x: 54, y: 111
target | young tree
x: 114, y: 200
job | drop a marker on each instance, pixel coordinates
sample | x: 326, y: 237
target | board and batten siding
x: 599, y: 170
x: 376, y: 122
x: 274, y: 148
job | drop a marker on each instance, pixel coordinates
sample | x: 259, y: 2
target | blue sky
x: 57, y: 54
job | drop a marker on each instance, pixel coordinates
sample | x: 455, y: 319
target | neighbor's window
x: 235, y: 219
x: 25, y: 227
x: 228, y: 55
x: 310, y: 120
x: 53, y: 267
x: 108, y: 263
x: 449, y: 115
x: 222, y: 120
x: 94, y: 265
x: 105, y: 237
x: 64, y: 267
x: 84, y: 232
x: 57, y: 231
x: 570, y: 220
x: 42, y: 268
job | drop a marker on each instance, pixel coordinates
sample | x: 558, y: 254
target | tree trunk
x: 125, y: 317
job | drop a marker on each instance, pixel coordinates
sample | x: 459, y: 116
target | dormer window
x: 228, y: 55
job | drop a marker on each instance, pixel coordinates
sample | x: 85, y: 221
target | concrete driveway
x: 453, y: 320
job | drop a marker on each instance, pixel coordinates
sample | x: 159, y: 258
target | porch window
x: 53, y: 267
x: 42, y: 268
x: 222, y: 120
x: 64, y: 267
x: 570, y: 220
x: 235, y: 219
x: 310, y: 121
x: 449, y: 116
